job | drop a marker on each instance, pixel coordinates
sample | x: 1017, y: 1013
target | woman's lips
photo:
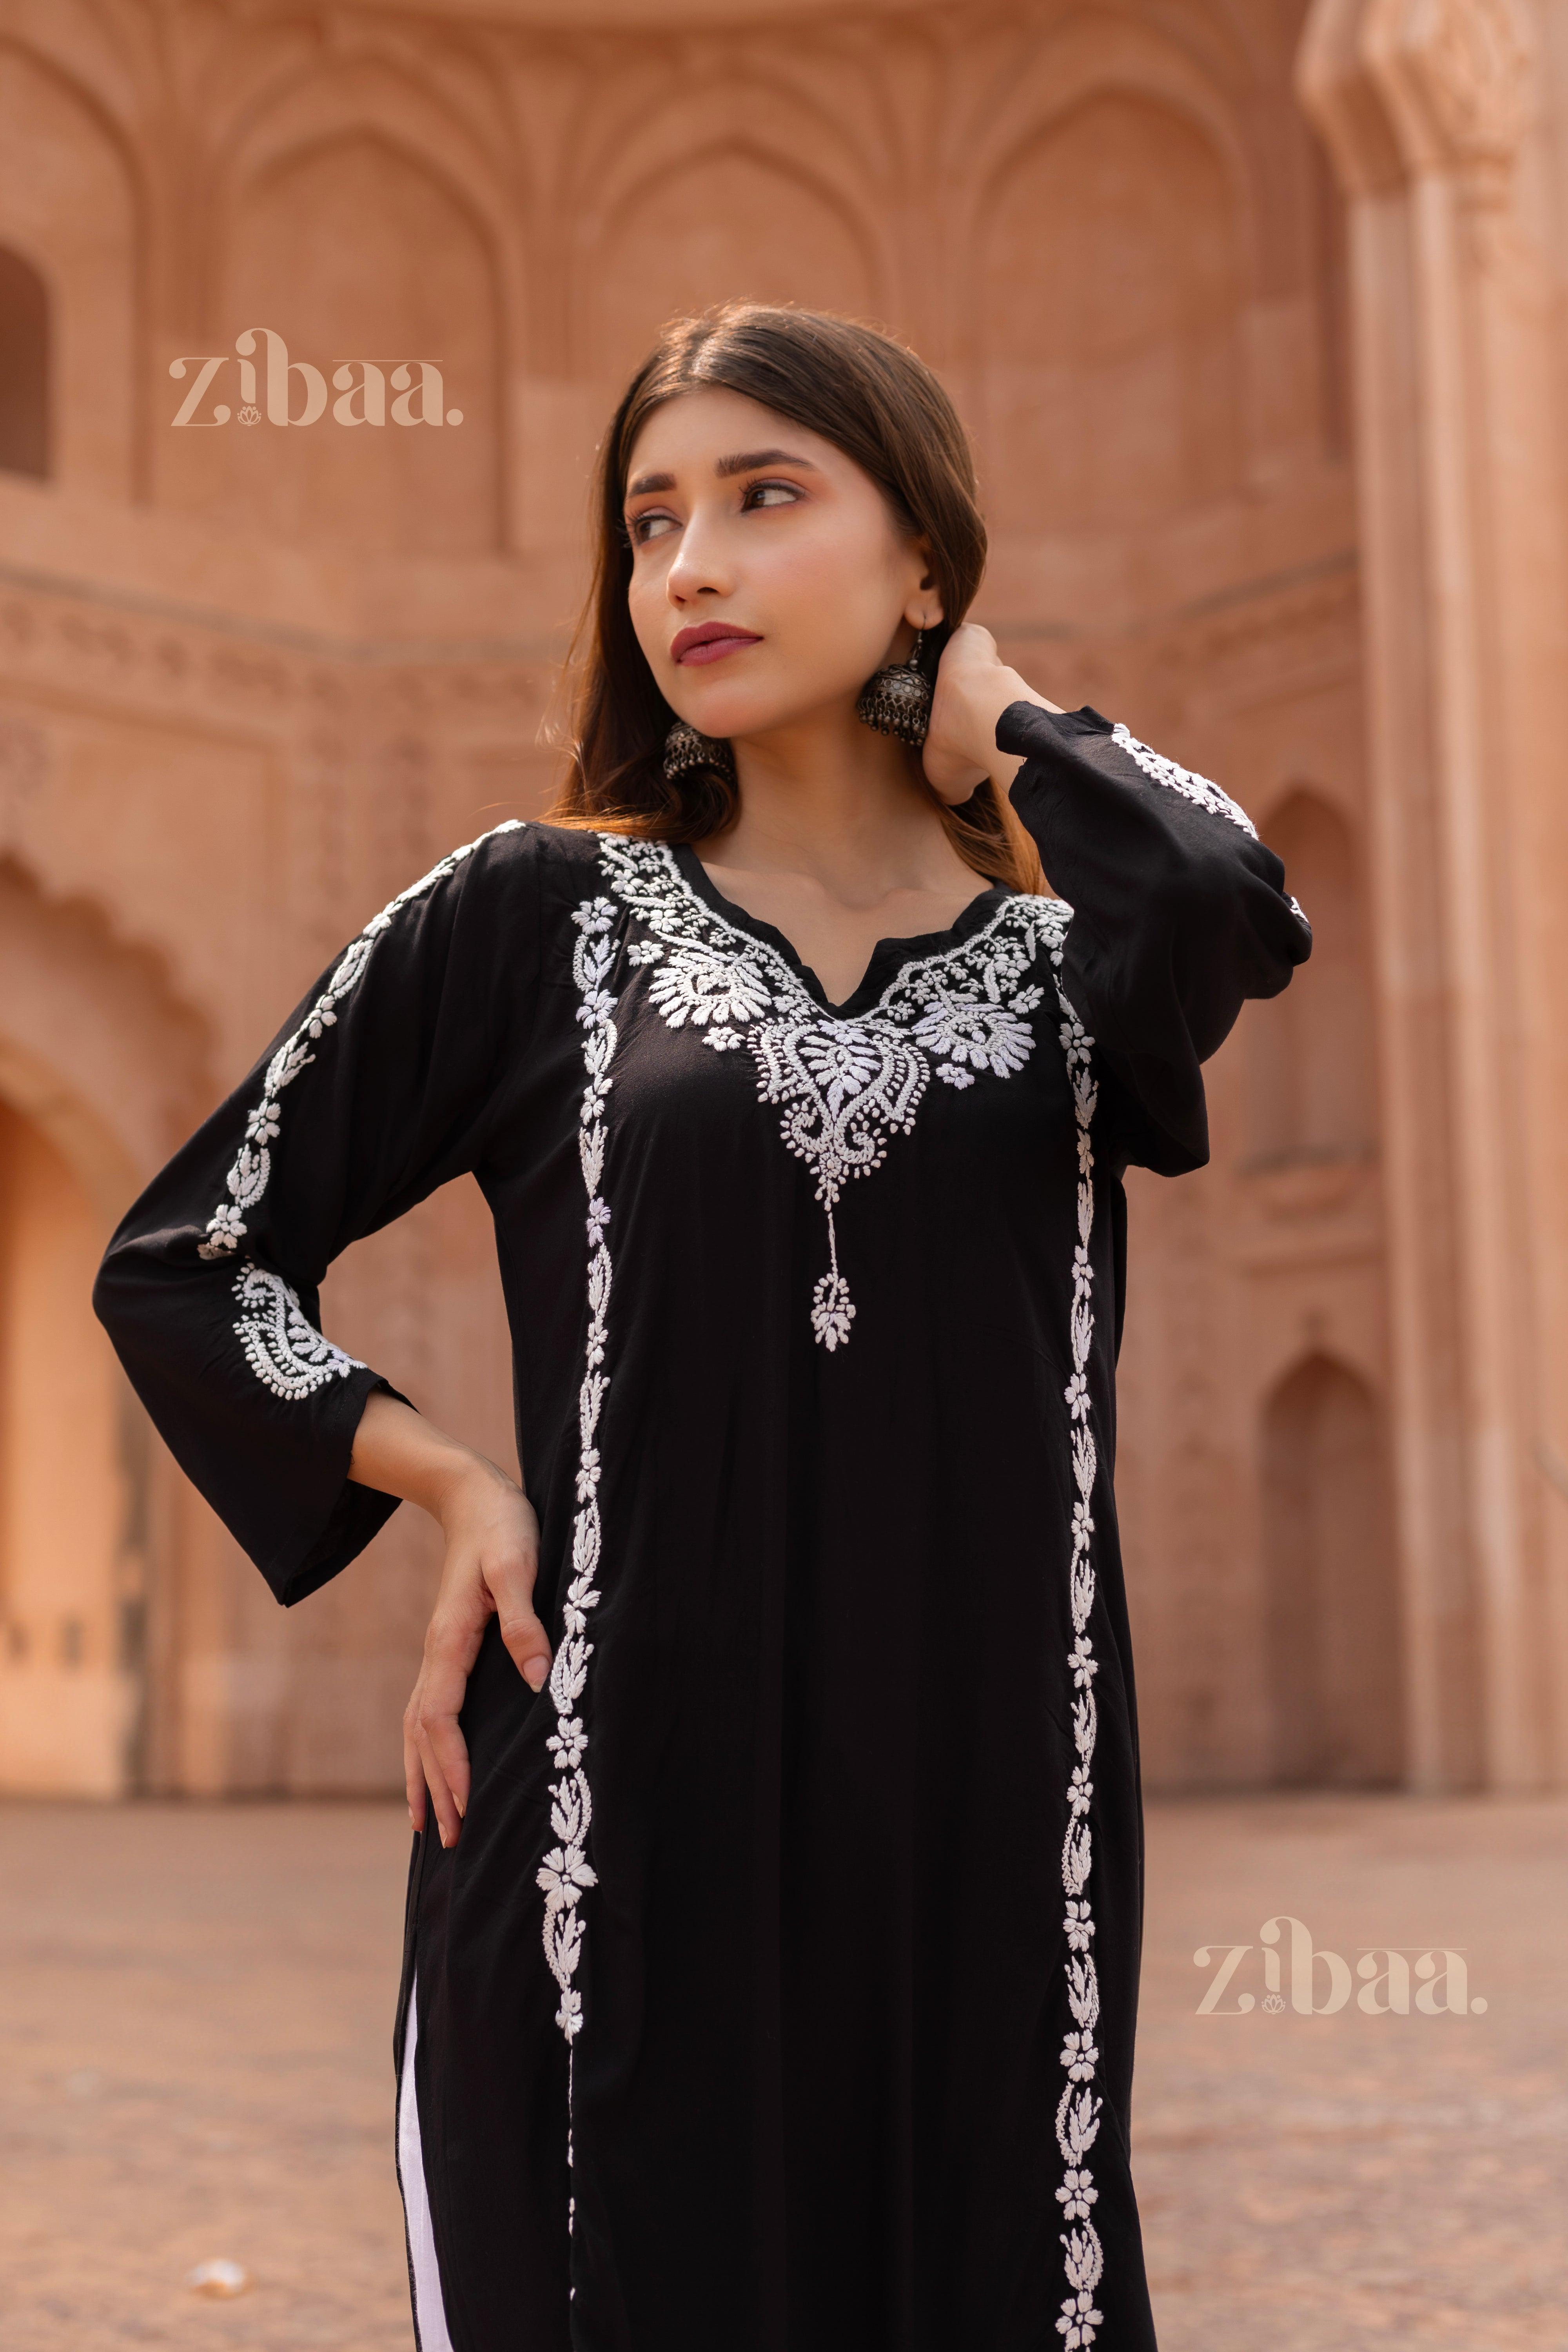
x: 710, y: 644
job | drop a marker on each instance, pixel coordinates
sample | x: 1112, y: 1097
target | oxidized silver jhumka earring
x: 686, y: 750
x: 897, y: 701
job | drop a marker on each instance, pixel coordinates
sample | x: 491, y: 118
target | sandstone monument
x: 309, y: 319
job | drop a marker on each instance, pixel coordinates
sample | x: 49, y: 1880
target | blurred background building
x: 1256, y: 311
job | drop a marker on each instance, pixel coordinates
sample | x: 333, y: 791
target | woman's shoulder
x: 526, y: 854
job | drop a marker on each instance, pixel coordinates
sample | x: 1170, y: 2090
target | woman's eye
x: 772, y: 494
x: 651, y: 526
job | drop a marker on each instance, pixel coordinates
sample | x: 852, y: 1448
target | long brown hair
x: 885, y: 409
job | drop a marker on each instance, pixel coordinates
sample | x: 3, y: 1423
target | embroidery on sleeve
x: 1196, y: 789
x: 286, y: 1351
x: 283, y: 1346
x: 565, y: 1873
x: 248, y: 1179
x: 1078, y: 2112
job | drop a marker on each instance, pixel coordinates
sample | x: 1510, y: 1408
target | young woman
x: 770, y: 1977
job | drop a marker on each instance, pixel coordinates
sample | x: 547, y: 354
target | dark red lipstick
x: 711, y: 642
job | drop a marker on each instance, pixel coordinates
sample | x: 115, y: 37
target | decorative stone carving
x: 23, y: 769
x: 1474, y: 59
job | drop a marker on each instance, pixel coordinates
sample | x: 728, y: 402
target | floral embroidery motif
x: 279, y: 1347
x: 1196, y: 789
x: 1078, y: 2112
x: 844, y: 1087
x: 565, y: 1874
x: 286, y: 1351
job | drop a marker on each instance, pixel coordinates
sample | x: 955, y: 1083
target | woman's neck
x: 831, y: 801
x: 837, y: 845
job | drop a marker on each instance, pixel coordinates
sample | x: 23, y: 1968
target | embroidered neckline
x: 756, y: 929
x: 846, y: 1082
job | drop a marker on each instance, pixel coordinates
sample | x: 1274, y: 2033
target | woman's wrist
x: 398, y: 1452
x: 472, y: 1485
x: 974, y: 688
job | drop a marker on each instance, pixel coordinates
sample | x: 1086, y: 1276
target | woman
x: 770, y: 1981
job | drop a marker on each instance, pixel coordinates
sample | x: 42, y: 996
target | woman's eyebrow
x: 750, y: 460
x: 745, y: 462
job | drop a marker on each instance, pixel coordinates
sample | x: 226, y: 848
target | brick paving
x: 194, y: 2064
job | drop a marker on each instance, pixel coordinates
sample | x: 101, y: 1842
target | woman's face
x: 769, y: 576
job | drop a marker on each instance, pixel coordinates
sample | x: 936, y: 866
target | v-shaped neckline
x: 887, y: 957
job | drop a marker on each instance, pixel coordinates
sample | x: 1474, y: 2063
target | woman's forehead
x: 695, y: 430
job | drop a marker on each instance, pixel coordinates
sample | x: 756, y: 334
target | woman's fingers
x: 510, y: 1564
x: 444, y: 1798
x: 492, y: 1552
x: 450, y: 1646
x: 413, y: 1766
x: 527, y: 1641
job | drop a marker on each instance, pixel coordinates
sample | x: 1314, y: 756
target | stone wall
x: 256, y: 676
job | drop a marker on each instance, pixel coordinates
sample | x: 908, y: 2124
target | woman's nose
x: 702, y: 566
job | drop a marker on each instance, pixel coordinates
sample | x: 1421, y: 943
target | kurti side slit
x: 780, y: 1990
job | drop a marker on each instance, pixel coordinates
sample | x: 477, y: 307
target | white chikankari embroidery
x: 846, y: 1085
x: 1196, y: 789
x: 1078, y: 2112
x: 279, y: 1349
x: 286, y: 1351
x: 565, y: 1873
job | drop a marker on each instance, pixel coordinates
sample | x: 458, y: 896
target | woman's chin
x: 739, y: 717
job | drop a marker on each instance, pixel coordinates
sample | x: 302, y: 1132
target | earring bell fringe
x: 896, y: 699
x: 686, y: 751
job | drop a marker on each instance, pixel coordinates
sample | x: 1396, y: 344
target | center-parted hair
x: 875, y: 400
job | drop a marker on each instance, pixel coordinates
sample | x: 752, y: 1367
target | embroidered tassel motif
x: 846, y: 1085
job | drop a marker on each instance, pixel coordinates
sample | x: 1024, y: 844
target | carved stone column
x: 1427, y: 107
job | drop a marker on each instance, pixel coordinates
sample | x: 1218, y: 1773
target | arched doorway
x: 1331, y: 1634
x: 24, y: 367
x: 69, y: 1626
x: 1312, y: 1090
x: 102, y: 1071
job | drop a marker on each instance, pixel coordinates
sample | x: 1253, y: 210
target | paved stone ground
x: 194, y: 2063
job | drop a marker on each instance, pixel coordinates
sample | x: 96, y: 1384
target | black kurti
x: 779, y: 1993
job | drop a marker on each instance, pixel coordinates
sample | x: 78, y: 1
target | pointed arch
x: 1331, y: 1629
x: 1113, y: 389
x: 734, y: 217
x: 25, y: 336
x: 1311, y: 1078
x: 101, y: 1072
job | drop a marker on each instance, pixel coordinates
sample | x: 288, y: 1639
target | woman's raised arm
x: 1179, y: 913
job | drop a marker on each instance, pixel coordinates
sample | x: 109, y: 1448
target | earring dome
x: 896, y: 699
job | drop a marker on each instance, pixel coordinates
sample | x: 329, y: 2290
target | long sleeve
x: 379, y: 1088
x: 1179, y: 913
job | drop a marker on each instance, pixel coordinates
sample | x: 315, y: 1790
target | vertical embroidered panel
x: 565, y: 1874
x: 1078, y: 2111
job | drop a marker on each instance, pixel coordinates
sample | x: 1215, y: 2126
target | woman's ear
x: 924, y: 610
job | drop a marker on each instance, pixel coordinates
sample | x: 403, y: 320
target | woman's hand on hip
x: 974, y: 688
x: 492, y: 1558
